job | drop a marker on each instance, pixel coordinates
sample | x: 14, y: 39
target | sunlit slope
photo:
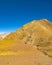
x: 0, y: 38
x: 35, y: 28
x: 36, y: 33
x: 10, y: 47
x: 29, y: 57
x: 18, y: 53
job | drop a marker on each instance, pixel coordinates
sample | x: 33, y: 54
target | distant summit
x: 3, y: 35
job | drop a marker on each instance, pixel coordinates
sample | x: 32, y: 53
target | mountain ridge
x: 34, y: 24
x: 36, y: 33
x: 29, y: 45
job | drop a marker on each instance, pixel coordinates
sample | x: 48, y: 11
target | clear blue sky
x: 15, y: 13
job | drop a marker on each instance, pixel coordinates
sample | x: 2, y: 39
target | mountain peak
x: 44, y: 20
x: 41, y: 20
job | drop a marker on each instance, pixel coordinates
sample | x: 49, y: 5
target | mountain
x: 35, y: 33
x: 3, y: 35
x: 29, y: 45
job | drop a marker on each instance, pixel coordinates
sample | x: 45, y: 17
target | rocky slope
x: 29, y: 45
x: 33, y: 32
x: 37, y: 33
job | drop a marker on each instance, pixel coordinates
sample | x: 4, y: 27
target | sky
x: 16, y: 13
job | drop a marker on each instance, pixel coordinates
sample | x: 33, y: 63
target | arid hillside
x: 0, y: 38
x: 29, y: 45
x: 36, y: 33
x: 36, y: 28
